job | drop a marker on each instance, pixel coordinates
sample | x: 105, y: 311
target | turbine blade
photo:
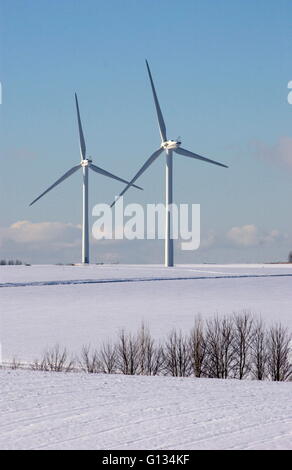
x: 161, y: 122
x: 110, y: 175
x: 81, y: 136
x: 65, y: 176
x: 187, y: 153
x: 144, y: 168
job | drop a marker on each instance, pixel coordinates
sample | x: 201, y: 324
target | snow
x: 45, y: 274
x: 76, y: 305
x: 77, y: 411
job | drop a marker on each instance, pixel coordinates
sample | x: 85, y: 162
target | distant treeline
x: 12, y: 262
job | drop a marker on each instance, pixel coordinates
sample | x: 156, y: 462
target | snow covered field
x: 77, y: 411
x: 76, y: 305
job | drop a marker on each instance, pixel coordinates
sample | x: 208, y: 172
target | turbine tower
x: 169, y: 146
x: 85, y: 164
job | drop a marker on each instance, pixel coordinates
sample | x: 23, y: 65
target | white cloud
x: 26, y: 232
x: 51, y: 242
x: 250, y: 235
x: 45, y: 242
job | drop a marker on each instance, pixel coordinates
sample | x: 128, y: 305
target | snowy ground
x: 76, y: 305
x: 77, y: 411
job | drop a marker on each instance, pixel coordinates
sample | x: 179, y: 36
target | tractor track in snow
x: 136, y: 280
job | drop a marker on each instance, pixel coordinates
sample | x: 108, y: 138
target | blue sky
x: 221, y: 71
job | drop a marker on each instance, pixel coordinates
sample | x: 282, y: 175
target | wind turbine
x: 169, y: 146
x: 84, y: 164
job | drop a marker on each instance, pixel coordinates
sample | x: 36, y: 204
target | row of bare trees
x: 10, y: 262
x: 54, y: 359
x: 238, y: 346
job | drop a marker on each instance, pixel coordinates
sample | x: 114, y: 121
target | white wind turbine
x: 169, y: 146
x: 84, y: 164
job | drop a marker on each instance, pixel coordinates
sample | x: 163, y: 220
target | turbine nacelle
x: 85, y: 162
x: 171, y: 144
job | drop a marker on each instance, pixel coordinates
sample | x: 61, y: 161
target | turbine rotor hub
x: 85, y: 162
x: 170, y: 144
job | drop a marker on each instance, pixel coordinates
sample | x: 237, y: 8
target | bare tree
x: 154, y: 359
x: 150, y: 355
x: 219, y: 348
x: 243, y: 335
x: 54, y: 359
x: 58, y: 360
x: 39, y: 365
x: 198, y: 347
x: 89, y: 361
x: 259, y: 352
x: 177, y: 359
x: 128, y: 353
x: 278, y: 348
x: 15, y: 364
x: 108, y: 358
